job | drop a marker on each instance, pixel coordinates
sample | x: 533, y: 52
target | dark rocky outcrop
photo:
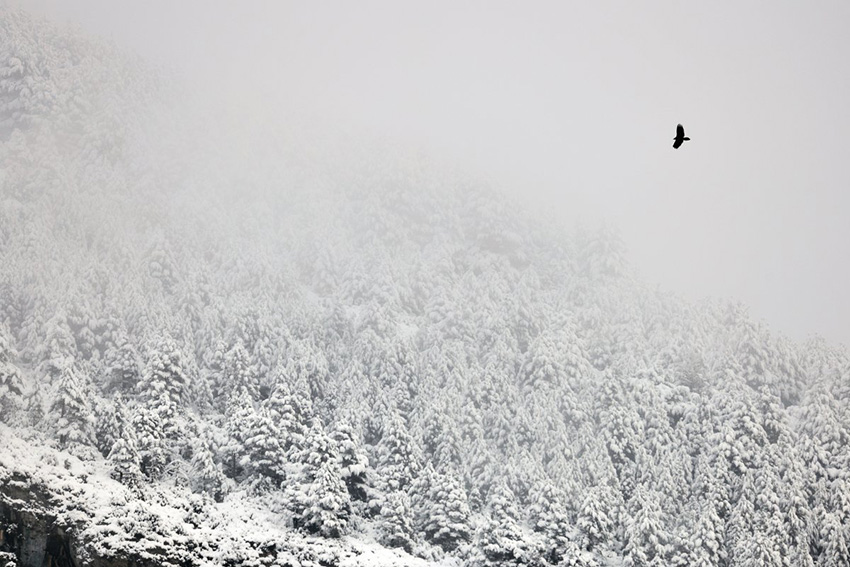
x: 28, y: 530
x: 32, y: 531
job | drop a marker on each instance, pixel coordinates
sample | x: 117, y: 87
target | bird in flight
x: 680, y: 136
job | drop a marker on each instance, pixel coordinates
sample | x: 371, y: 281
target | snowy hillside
x: 218, y: 349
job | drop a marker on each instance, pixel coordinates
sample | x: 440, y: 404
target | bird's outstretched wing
x: 680, y: 131
x: 678, y: 142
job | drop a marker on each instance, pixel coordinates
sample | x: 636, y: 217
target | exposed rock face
x: 27, y: 531
x: 36, y: 529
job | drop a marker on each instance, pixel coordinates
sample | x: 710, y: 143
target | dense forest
x: 217, y: 348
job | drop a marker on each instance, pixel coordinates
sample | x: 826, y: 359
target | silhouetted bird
x: 680, y: 136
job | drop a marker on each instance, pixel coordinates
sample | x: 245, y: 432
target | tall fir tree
x: 124, y: 458
x: 647, y: 538
x: 353, y: 463
x: 441, y: 510
x: 500, y: 540
x: 150, y: 442
x: 207, y: 476
x: 70, y: 408
x: 165, y: 383
x: 11, y: 385
x: 265, y: 458
x: 321, y: 502
x: 395, y: 522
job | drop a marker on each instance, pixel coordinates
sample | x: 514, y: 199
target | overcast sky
x: 576, y: 104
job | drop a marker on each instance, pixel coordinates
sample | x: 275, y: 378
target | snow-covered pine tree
x: 544, y: 367
x: 548, y: 516
x: 207, y: 476
x: 150, y: 442
x: 56, y: 345
x: 757, y: 550
x: 321, y: 503
x: 124, y: 458
x: 647, y: 540
x: 292, y: 414
x: 834, y: 541
x: 353, y: 463
x: 499, y: 540
x: 161, y: 265
x: 239, y: 375
x: 264, y: 459
x: 110, y: 422
x: 797, y: 513
x: 597, y: 517
x: 239, y: 420
x: 441, y: 442
x: 122, y: 366
x: 70, y: 407
x: 165, y: 383
x: 306, y: 368
x: 85, y: 328
x: 706, y: 542
x: 397, y: 457
x: 11, y: 386
x: 395, y: 521
x: 441, y: 510
x: 213, y: 361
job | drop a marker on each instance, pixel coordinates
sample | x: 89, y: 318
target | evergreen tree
x: 207, y: 476
x: 500, y: 540
x: 352, y: 462
x: 213, y: 359
x: 264, y: 458
x: 397, y: 456
x: 239, y: 374
x: 756, y: 550
x: 70, y: 408
x: 797, y: 514
x: 240, y: 418
x: 544, y: 366
x: 834, y: 541
x: 292, y: 414
x: 307, y: 368
x: 124, y: 459
x: 11, y: 386
x: 321, y: 504
x: 741, y: 522
x: 109, y: 425
x: 165, y: 383
x: 442, y: 442
x: 150, y: 441
x: 707, y: 538
x: 441, y: 510
x: 57, y: 345
x: 395, y: 521
x: 597, y: 517
x: 548, y: 517
x: 647, y: 539
x: 122, y: 364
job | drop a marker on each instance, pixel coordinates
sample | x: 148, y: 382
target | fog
x: 574, y: 107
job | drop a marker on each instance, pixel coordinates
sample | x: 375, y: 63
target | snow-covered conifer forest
x: 217, y: 349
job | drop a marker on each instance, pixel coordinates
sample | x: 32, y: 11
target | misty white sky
x: 575, y: 105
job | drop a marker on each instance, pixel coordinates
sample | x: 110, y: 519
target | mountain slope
x: 280, y: 358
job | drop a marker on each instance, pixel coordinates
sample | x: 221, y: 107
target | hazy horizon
x: 575, y: 106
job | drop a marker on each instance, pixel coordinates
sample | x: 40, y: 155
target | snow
x: 242, y: 328
x: 115, y: 521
